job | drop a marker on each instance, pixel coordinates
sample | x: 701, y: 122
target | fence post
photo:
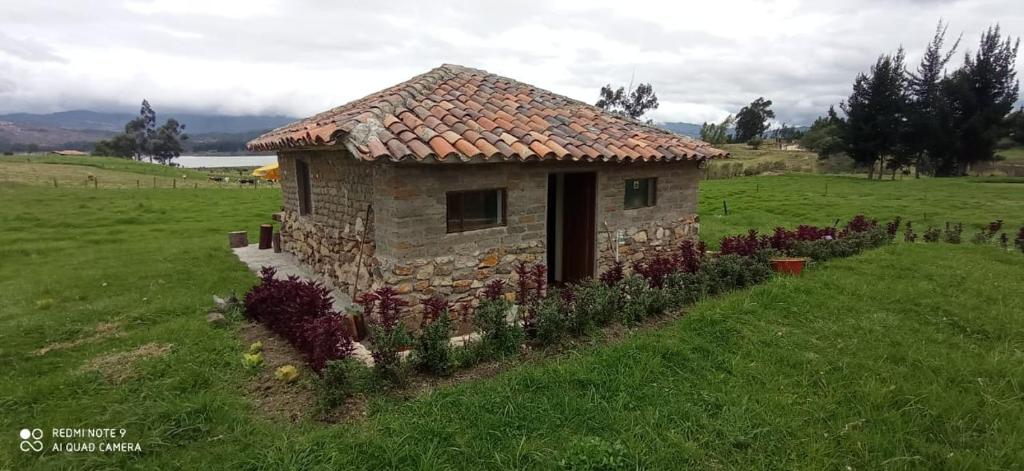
x: 725, y: 206
x: 154, y: 182
x: 55, y: 182
x: 138, y: 184
x: 174, y: 183
x: 95, y: 183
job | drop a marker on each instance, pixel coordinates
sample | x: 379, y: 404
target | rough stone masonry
x: 406, y: 243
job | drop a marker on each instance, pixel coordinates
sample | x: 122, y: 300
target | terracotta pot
x: 792, y: 266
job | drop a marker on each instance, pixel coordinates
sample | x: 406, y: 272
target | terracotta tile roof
x: 458, y: 114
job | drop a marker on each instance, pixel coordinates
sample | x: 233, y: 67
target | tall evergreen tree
x: 927, y: 144
x: 982, y: 94
x: 717, y: 134
x: 752, y: 120
x: 875, y: 112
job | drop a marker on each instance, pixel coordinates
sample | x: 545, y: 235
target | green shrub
x: 593, y: 305
x: 338, y: 380
x: 498, y: 337
x: 729, y: 272
x: 686, y: 288
x: 639, y: 300
x: 432, y: 352
x: 549, y: 318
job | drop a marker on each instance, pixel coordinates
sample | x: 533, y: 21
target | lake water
x: 195, y: 161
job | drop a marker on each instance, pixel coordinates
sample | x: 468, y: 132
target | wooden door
x: 578, y: 226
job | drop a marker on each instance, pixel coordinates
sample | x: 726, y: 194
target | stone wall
x: 328, y: 239
x: 410, y: 248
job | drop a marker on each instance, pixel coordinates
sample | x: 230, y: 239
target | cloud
x: 299, y: 57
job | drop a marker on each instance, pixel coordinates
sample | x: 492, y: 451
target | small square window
x: 477, y: 209
x: 641, y: 192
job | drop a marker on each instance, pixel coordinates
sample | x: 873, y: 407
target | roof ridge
x: 467, y: 113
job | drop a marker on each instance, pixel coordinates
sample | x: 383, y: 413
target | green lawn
x: 905, y: 357
x: 766, y: 202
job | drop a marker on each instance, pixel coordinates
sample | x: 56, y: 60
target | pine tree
x: 927, y: 142
x: 875, y: 112
x: 982, y: 94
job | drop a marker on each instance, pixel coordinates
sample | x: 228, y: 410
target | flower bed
x: 538, y: 316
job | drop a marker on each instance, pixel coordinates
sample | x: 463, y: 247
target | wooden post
x: 174, y: 183
x: 154, y: 182
x: 725, y: 207
x: 238, y: 239
x: 55, y: 182
x: 95, y: 183
x: 266, y: 236
x: 138, y: 184
x: 277, y: 242
x: 196, y: 187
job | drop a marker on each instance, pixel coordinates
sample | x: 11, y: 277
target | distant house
x: 446, y: 181
x: 70, y: 152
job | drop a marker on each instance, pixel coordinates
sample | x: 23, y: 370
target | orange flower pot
x: 792, y: 266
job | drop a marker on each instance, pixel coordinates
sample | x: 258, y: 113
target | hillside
x: 114, y: 122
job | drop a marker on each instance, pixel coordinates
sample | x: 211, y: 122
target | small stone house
x: 444, y: 182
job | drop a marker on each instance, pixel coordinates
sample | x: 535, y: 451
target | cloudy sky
x: 297, y: 57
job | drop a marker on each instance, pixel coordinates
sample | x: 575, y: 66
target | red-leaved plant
x: 860, y: 223
x: 690, y: 256
x: 613, y: 275
x: 302, y: 312
x: 744, y: 245
x: 432, y: 308
x: 655, y: 269
x: 1019, y: 241
x: 382, y: 308
x: 531, y: 282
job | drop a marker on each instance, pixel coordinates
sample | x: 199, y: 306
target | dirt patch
x: 276, y: 399
x: 103, y: 330
x: 116, y: 367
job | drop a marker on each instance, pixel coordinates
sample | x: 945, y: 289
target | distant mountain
x: 82, y: 128
x: 20, y: 137
x: 686, y: 129
x: 114, y: 122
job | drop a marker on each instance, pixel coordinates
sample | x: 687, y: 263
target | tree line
x: 932, y: 121
x: 142, y: 139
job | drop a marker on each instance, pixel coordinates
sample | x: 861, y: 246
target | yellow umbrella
x: 268, y: 172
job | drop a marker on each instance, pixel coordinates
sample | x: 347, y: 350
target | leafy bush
x: 822, y: 250
x: 1019, y: 241
x: 690, y: 256
x: 744, y: 245
x: 549, y: 318
x: 302, y: 313
x: 640, y: 300
x: 252, y: 360
x: 952, y: 233
x: 893, y: 227
x: 338, y: 380
x: 432, y: 351
x: 498, y: 336
x: 860, y: 223
x: 729, y: 272
x: 908, y: 233
x: 594, y: 304
x: 654, y: 269
x: 613, y: 275
x: 383, y: 311
x: 686, y: 288
x: 932, y: 234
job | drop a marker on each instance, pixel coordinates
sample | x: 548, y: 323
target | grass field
x: 905, y: 357
x: 104, y: 172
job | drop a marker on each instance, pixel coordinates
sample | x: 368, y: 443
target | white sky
x: 297, y: 57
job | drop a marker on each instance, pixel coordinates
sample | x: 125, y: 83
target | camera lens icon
x: 31, y: 440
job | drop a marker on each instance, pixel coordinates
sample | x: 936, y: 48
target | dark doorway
x: 571, y: 226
